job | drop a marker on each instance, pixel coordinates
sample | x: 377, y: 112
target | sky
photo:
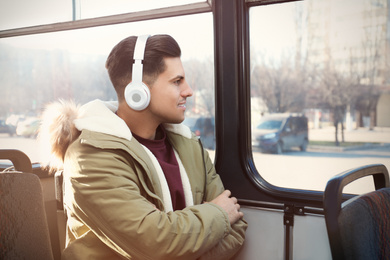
x: 273, y: 32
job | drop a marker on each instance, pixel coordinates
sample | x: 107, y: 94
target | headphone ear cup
x: 137, y: 96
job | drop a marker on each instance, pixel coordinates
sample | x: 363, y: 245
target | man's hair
x: 119, y: 63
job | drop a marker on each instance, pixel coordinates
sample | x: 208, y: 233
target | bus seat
x: 24, y: 232
x: 365, y: 226
x: 19, y: 159
x: 359, y: 228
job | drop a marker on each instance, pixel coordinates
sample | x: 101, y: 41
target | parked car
x: 28, y: 127
x: 204, y: 128
x: 279, y: 132
x: 6, y: 128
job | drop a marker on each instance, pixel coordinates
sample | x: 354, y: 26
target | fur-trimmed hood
x: 63, y: 121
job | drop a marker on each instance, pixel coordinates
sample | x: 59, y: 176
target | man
x: 138, y: 184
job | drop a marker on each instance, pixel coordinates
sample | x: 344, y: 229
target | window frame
x: 232, y: 87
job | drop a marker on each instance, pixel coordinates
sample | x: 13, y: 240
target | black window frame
x: 233, y: 114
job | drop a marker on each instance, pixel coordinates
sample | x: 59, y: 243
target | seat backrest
x: 24, y: 232
x: 359, y: 228
x: 365, y: 226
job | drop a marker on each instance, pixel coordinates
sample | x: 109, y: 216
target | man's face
x: 169, y: 93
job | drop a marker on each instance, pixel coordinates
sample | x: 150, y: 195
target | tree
x: 282, y: 88
x: 335, y: 92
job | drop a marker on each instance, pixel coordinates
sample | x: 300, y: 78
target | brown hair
x: 119, y: 63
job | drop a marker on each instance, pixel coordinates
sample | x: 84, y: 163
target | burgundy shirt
x: 165, y: 155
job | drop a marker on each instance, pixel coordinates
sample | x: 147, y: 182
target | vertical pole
x: 288, y: 220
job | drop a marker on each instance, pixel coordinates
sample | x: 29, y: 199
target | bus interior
x: 325, y: 60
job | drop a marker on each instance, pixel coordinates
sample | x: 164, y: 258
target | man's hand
x: 230, y: 205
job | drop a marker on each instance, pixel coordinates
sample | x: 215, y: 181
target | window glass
x: 70, y: 65
x: 320, y: 87
x: 21, y: 13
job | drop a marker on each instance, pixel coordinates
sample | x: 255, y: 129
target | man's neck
x: 138, y: 122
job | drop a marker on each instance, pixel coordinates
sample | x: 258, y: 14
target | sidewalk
x: 377, y: 135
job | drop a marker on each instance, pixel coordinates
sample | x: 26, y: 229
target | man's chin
x: 179, y: 121
x: 176, y: 121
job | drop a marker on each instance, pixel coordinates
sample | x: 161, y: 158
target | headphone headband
x: 139, y: 52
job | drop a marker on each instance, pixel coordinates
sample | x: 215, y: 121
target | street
x: 293, y: 169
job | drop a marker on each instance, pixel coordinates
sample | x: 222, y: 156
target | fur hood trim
x: 57, y: 132
x: 63, y: 121
x: 99, y: 116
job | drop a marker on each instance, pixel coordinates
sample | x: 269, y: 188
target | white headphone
x: 137, y: 94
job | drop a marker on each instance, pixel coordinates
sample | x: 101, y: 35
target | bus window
x: 325, y: 61
x: 20, y: 13
x: 41, y: 68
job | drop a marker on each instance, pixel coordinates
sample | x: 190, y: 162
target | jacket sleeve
x: 230, y: 244
x: 109, y: 195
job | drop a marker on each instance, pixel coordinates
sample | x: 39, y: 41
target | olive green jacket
x: 116, y: 198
